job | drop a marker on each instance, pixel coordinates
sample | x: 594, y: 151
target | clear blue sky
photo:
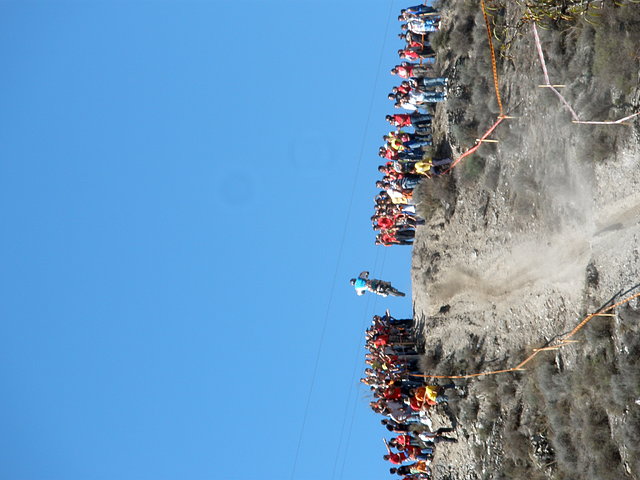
x: 175, y: 180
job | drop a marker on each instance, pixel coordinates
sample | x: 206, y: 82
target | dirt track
x: 544, y: 229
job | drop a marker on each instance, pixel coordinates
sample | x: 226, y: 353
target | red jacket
x: 412, y: 451
x: 397, y: 458
x: 390, y: 154
x: 403, y: 440
x: 381, y: 341
x: 385, y: 222
x: 404, y: 72
x: 411, y: 54
x: 393, y: 393
x: 402, y: 119
x: 386, y: 238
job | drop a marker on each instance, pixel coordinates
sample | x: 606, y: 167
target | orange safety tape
x: 559, y: 344
x: 604, y: 310
x: 494, y: 66
x: 501, y: 117
x: 476, y: 146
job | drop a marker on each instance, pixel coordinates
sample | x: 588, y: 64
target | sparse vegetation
x: 555, y: 11
x: 578, y: 422
x: 473, y: 168
x: 596, y: 51
x: 576, y: 413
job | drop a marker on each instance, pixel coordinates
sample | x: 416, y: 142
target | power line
x: 339, y: 258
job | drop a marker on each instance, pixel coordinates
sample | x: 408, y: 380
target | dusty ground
x: 526, y: 238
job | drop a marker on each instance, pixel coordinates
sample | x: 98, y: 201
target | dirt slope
x: 525, y: 239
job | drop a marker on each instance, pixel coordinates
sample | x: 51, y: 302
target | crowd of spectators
x: 403, y: 399
x: 392, y: 370
x: 407, y: 162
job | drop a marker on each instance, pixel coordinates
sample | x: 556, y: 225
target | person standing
x: 421, y: 25
x: 408, y: 70
x: 415, y: 120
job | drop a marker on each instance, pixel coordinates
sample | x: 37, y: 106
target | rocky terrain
x: 527, y: 237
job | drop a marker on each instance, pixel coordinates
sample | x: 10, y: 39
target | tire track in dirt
x: 559, y: 259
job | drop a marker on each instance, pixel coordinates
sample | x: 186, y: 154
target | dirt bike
x: 384, y: 289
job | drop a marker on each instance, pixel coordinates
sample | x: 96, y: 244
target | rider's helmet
x: 352, y: 281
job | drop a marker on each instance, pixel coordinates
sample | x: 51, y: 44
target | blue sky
x: 175, y: 181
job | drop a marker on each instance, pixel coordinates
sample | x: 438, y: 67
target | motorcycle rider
x: 379, y: 287
x: 362, y: 283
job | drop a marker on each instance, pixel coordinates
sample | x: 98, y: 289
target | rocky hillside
x: 527, y: 237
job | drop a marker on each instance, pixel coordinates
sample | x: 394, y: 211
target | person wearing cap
x: 416, y: 120
x: 421, y: 25
x: 417, y: 10
x: 408, y: 70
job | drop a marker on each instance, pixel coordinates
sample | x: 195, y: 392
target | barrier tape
x: 564, y: 341
x: 548, y: 84
x: 502, y: 116
x: 476, y: 146
x: 494, y: 66
x: 546, y: 74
